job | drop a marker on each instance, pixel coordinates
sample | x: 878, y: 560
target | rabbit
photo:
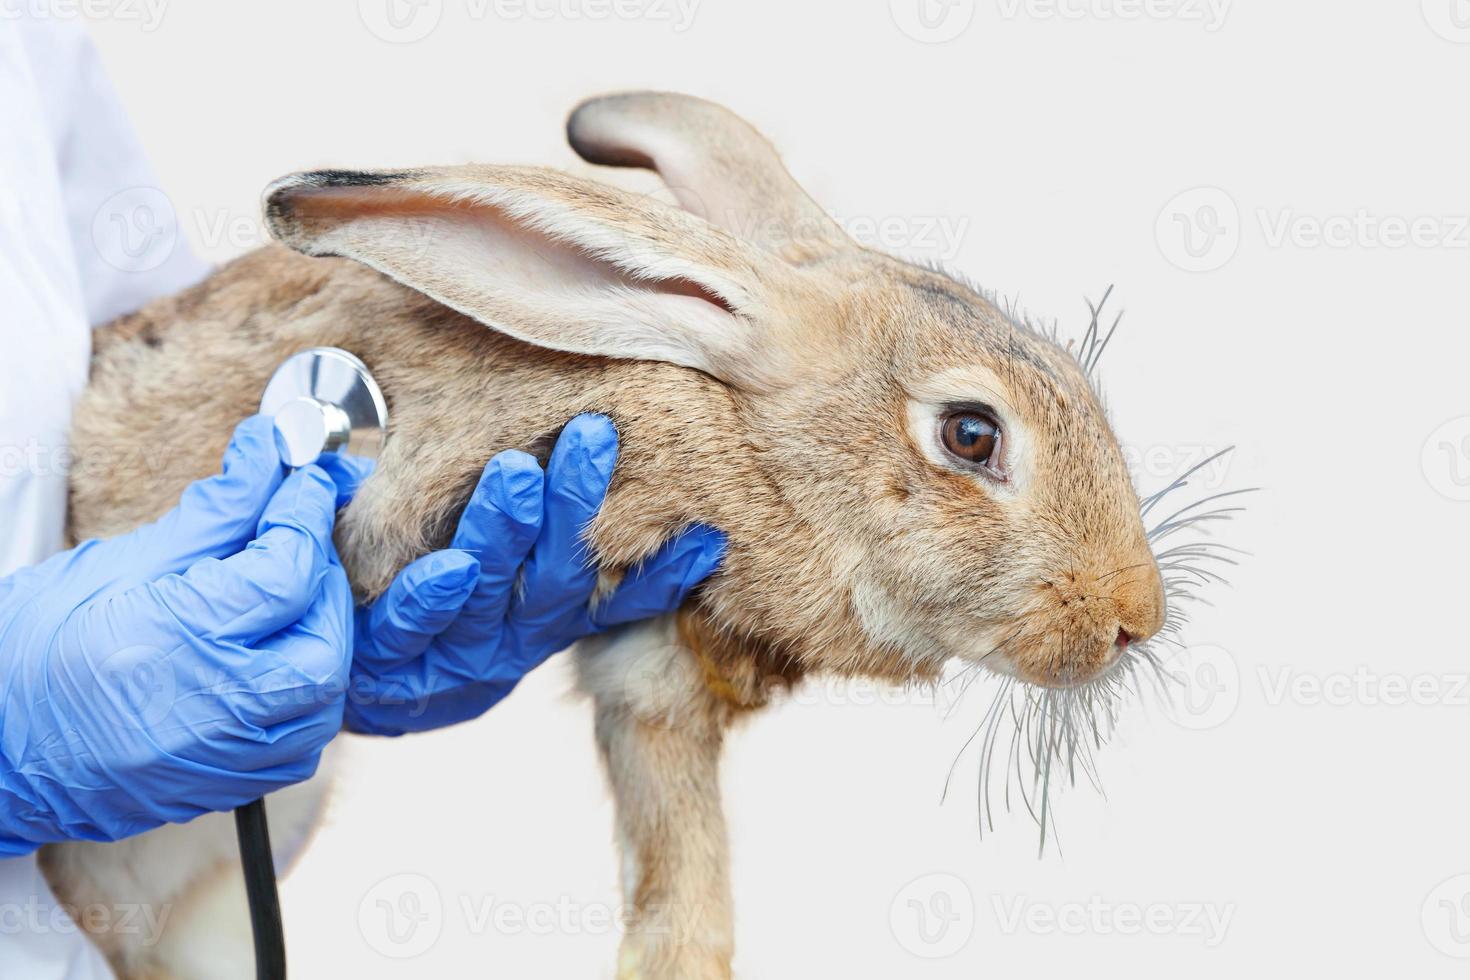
x: 906, y: 475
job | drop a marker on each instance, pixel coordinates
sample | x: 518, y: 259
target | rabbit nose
x: 1140, y: 604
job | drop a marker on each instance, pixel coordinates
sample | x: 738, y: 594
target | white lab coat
x: 84, y: 236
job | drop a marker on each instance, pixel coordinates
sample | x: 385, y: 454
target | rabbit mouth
x: 1072, y: 634
x: 1078, y: 672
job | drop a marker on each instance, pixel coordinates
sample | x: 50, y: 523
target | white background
x: 1042, y: 149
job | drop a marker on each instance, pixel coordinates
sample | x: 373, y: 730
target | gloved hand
x: 454, y: 633
x: 192, y: 665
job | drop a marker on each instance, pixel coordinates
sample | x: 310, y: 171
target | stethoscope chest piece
x: 324, y: 400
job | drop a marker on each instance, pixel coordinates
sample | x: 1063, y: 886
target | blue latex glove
x: 455, y: 631
x: 192, y: 665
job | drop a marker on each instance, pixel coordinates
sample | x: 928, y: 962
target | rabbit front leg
x: 660, y: 730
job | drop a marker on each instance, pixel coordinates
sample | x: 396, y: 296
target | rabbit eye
x: 974, y: 437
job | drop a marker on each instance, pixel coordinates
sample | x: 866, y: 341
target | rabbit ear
x: 555, y: 261
x: 715, y: 163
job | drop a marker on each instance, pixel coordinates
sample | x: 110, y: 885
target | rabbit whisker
x: 1055, y: 731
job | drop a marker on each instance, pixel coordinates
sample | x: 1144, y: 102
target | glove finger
x: 292, y: 705
x: 498, y: 528
x: 297, y: 707
x: 559, y: 577
x: 273, y: 581
x: 423, y: 600
x: 391, y: 703
x: 532, y: 642
x: 178, y: 790
x: 318, y: 646
x: 216, y: 516
x: 661, y: 583
x: 217, y: 703
x: 658, y: 586
x: 241, y: 747
x: 434, y: 710
x: 417, y: 697
x: 348, y: 472
x: 234, y: 787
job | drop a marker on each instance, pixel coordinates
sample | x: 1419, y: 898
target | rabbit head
x: 923, y: 478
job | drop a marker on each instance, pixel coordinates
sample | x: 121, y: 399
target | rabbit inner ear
x: 519, y: 252
x: 714, y: 162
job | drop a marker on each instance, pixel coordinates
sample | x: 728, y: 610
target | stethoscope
x: 323, y: 400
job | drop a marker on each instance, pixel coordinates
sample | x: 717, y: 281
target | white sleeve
x: 124, y: 231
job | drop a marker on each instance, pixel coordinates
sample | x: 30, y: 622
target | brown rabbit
x: 906, y: 474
